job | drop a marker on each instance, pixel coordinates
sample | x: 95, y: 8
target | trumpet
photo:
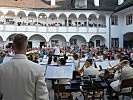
x: 81, y: 69
x: 121, y: 64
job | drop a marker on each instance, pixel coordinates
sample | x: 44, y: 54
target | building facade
x: 67, y: 22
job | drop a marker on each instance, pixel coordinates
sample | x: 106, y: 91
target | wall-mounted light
x: 40, y: 16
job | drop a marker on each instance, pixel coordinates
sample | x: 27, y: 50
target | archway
x: 62, y: 20
x: 36, y: 41
x: 10, y: 17
x: 21, y: 18
x: 77, y: 40
x: 42, y: 19
x: 72, y: 20
x: 102, y: 21
x: 92, y: 20
x: 52, y: 20
x: 32, y: 19
x: 82, y: 20
x: 9, y: 40
x: 128, y: 40
x: 57, y: 39
x: 98, y: 41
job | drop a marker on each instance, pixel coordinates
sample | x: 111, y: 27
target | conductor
x: 21, y: 79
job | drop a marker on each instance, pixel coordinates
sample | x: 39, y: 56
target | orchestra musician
x: 89, y: 69
x: 123, y: 71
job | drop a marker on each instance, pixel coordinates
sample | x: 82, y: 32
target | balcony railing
x: 50, y: 29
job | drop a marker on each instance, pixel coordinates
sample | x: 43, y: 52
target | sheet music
x: 71, y: 64
x: 104, y: 64
x: 55, y: 72
x: 114, y: 62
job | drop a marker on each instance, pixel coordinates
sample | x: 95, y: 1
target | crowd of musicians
x: 59, y: 56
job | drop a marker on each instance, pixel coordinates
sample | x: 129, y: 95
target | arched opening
x: 98, y: 41
x: 1, y: 17
x: 72, y: 20
x: 128, y: 40
x: 32, y: 19
x: 62, y: 20
x: 57, y: 39
x: 82, y: 20
x: 52, y: 20
x: 42, y: 19
x: 1, y: 42
x: 102, y: 21
x: 9, y: 41
x: 21, y: 18
x: 91, y: 44
x: 77, y: 40
x: 92, y: 20
x: 10, y: 18
x: 36, y: 41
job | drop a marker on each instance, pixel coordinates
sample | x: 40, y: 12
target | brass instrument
x: 121, y: 64
x: 110, y: 69
x: 81, y: 69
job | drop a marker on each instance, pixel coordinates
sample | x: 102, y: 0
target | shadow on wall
x: 46, y: 2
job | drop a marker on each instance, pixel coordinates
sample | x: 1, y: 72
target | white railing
x: 50, y: 29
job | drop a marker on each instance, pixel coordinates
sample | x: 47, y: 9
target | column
x: 47, y: 25
x: 4, y: 25
x: 37, y: 24
x: 57, y: 29
x: 97, y: 26
x: 67, y: 25
x: 47, y: 44
x: 77, y: 26
x: 87, y: 26
x: 4, y: 44
x: 15, y: 27
x: 27, y: 21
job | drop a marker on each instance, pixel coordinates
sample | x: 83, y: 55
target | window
x: 97, y: 43
x: 129, y: 19
x: 114, y: 20
x: 80, y: 3
x: 115, y: 42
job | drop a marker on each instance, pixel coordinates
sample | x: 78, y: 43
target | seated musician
x: 76, y: 61
x: 90, y: 70
x: 124, y: 71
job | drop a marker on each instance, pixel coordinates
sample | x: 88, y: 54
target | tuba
x: 81, y: 69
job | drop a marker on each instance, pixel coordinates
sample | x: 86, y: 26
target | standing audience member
x: 21, y: 79
x: 76, y: 61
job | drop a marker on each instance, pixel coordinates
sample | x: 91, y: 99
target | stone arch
x: 77, y: 40
x: 102, y: 21
x: 10, y: 17
x: 62, y: 19
x: 1, y: 17
x: 21, y: 18
x: 60, y: 39
x: 42, y: 19
x: 128, y: 40
x: 52, y: 19
x: 92, y: 20
x: 32, y: 18
x: 36, y: 41
x: 72, y: 20
x: 82, y: 20
x: 98, y: 40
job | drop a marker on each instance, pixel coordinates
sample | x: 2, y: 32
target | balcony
x: 52, y: 29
